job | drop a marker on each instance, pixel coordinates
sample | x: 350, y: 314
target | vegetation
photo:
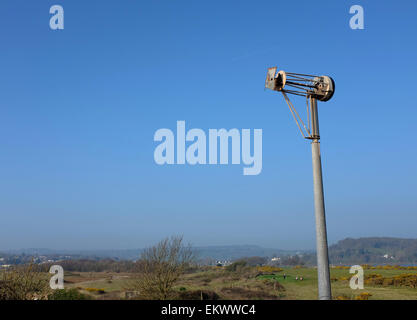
x: 168, y: 271
x: 23, y: 283
x: 160, y: 268
x: 374, y: 250
x: 96, y: 290
x: 239, y: 281
x: 67, y: 294
x: 269, y: 269
x: 361, y: 296
x: 88, y: 265
x: 405, y: 280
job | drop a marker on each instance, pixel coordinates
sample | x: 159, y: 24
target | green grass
x: 271, y: 277
x: 307, y: 289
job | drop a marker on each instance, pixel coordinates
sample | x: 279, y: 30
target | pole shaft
x: 315, y: 132
x: 321, y: 233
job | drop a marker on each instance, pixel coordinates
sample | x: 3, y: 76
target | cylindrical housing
x: 315, y: 132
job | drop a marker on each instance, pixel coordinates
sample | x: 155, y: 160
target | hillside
x: 231, y: 252
x: 346, y: 252
x: 239, y: 251
x: 374, y: 251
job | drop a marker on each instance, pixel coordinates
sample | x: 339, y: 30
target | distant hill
x: 236, y: 252
x: 232, y: 252
x: 346, y: 252
x: 374, y: 251
x: 122, y: 254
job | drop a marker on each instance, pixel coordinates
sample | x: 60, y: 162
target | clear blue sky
x: 79, y: 108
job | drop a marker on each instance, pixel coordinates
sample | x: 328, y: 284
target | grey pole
x: 321, y: 233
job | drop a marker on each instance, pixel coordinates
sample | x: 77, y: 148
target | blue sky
x: 79, y: 108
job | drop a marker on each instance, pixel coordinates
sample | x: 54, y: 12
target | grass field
x: 249, y: 284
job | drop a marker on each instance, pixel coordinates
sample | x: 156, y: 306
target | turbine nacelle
x: 319, y: 87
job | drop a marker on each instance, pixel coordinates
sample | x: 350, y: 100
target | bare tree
x: 161, y: 266
x: 23, y: 283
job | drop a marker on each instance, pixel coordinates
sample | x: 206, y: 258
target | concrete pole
x: 321, y: 233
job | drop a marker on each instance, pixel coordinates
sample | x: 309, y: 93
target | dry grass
x: 217, y: 283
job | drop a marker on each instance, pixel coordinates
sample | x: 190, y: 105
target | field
x: 256, y: 283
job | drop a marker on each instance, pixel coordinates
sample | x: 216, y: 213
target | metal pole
x: 321, y: 233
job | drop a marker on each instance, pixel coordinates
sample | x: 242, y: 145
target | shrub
x: 236, y: 266
x: 363, y: 296
x: 405, y: 279
x: 273, y: 284
x: 95, y: 290
x: 67, y: 294
x: 269, y: 269
x: 243, y: 293
x: 343, y: 297
x: 23, y: 283
x: 198, y: 295
x: 161, y: 267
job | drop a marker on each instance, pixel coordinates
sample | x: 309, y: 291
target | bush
x: 161, y: 267
x: 23, y: 283
x: 273, y: 284
x: 269, y: 269
x: 95, y: 290
x: 363, y: 296
x: 245, y: 294
x: 405, y: 279
x: 67, y: 294
x: 198, y: 295
x: 236, y: 266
